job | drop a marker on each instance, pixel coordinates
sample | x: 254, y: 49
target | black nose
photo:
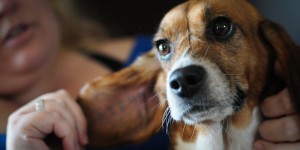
x: 186, y: 82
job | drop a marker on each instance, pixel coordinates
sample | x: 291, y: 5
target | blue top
x: 2, y: 141
x: 158, y: 142
x: 143, y: 44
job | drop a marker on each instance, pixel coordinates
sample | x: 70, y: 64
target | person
x: 45, y: 46
x: 39, y: 54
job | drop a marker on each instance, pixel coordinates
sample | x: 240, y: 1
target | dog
x: 210, y: 67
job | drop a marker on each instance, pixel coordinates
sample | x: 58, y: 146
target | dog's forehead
x: 173, y: 22
x: 195, y: 13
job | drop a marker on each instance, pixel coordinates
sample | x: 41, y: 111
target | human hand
x: 281, y: 131
x: 62, y: 116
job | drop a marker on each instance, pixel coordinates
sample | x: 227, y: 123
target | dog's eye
x: 163, y: 47
x: 222, y: 28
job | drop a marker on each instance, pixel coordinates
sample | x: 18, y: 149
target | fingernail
x: 258, y: 146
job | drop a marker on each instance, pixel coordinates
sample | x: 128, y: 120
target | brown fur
x: 110, y: 116
x: 248, y: 59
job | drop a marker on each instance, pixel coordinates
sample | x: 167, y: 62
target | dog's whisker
x: 165, y: 118
x: 169, y: 124
x: 183, y: 130
x: 206, y: 50
x: 165, y: 114
x: 193, y: 133
x: 220, y: 129
x: 185, y: 52
x: 162, y: 85
x: 160, y: 103
x: 225, y: 126
x: 156, y: 95
x: 170, y: 120
x: 168, y: 115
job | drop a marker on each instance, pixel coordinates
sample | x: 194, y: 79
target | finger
x: 263, y: 145
x: 59, y: 106
x: 281, y: 130
x: 278, y: 105
x: 69, y: 137
x: 79, y: 118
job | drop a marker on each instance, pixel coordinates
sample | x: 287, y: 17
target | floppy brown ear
x: 288, y: 55
x: 123, y: 107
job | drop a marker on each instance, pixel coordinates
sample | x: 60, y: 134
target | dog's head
x: 214, y: 57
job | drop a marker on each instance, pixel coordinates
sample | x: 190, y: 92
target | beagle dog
x: 210, y: 67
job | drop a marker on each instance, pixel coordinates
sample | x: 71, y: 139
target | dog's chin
x: 192, y: 117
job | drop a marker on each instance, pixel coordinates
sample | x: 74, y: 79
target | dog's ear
x: 288, y: 55
x: 123, y: 107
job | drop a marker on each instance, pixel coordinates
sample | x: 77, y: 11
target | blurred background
x: 128, y: 17
x: 286, y: 13
x: 131, y: 17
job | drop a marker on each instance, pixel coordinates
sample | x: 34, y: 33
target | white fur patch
x: 212, y: 140
x: 237, y: 139
x: 242, y: 139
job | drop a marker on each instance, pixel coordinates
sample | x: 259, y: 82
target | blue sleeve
x: 142, y: 45
x: 2, y: 141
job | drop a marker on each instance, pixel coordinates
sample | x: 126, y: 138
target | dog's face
x: 211, y: 57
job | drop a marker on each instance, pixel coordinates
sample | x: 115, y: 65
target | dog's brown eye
x: 222, y: 28
x: 163, y: 47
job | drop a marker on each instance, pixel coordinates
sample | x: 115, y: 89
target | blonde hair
x: 76, y: 28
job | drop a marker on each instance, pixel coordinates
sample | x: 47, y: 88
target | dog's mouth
x: 205, y: 113
x: 212, y: 110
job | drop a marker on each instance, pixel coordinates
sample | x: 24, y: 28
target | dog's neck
x: 218, y: 135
